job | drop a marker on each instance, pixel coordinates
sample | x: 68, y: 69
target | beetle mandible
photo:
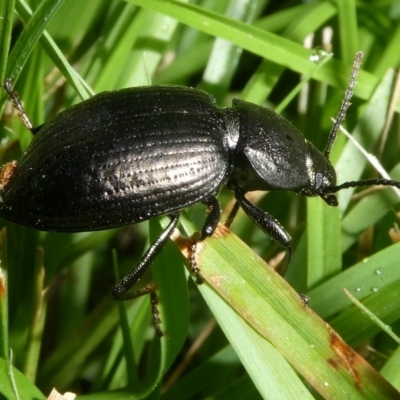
x: 130, y: 155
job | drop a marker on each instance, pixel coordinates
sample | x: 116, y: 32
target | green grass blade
x: 55, y: 53
x: 115, y: 44
x: 367, y: 132
x: 265, y: 44
x: 267, y: 303
x: 30, y: 36
x: 25, y: 388
x: 263, y: 362
x: 390, y: 370
x: 378, y: 270
x: 348, y: 29
x: 6, y: 18
x: 4, y: 325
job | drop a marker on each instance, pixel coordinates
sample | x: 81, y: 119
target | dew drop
x: 388, y: 328
x: 318, y: 54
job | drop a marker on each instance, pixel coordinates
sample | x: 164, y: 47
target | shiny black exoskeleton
x: 130, y: 155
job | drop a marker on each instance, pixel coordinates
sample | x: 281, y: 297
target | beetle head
x: 322, y: 176
x: 272, y: 154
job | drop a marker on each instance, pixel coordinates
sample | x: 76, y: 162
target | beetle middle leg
x: 210, y: 224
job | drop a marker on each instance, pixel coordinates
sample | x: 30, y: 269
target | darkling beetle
x: 127, y: 156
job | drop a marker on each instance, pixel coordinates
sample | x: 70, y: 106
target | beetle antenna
x: 18, y: 105
x: 369, y: 182
x: 345, y: 103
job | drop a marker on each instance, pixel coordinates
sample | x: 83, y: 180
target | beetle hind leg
x: 121, y: 290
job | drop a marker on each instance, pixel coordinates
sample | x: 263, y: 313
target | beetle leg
x: 266, y: 222
x: 120, y: 290
x: 213, y: 217
x: 156, y: 313
x: 14, y: 98
x: 210, y: 224
x: 232, y: 214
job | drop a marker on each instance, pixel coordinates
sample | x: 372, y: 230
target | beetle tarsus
x: 18, y: 105
x: 156, y: 314
x: 197, y: 237
x: 304, y: 299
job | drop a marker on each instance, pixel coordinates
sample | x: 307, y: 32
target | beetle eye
x: 318, y: 180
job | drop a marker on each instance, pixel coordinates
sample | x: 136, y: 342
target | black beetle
x: 130, y: 155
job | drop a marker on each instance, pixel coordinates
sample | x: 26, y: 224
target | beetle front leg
x: 266, y: 222
x: 121, y: 289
